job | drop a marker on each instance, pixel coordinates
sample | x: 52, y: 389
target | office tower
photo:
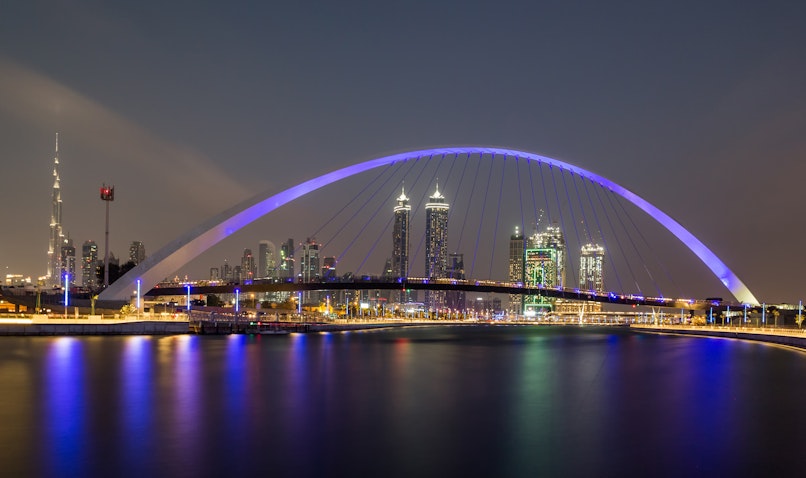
x: 455, y: 299
x: 388, y: 274
x: 552, y: 238
x: 266, y: 260
x: 54, y: 273
x: 309, y: 263
x: 591, y: 263
x: 309, y: 268
x: 137, y: 252
x: 286, y: 265
x: 89, y: 264
x: 540, y: 270
x: 247, y: 266
x: 226, y: 272
x: 400, y: 237
x: 517, y: 246
x: 215, y: 274
x: 436, y: 246
x: 329, y: 269
x: 68, y: 260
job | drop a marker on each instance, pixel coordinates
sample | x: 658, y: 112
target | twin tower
x: 436, y: 242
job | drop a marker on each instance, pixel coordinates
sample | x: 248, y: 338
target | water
x: 431, y: 401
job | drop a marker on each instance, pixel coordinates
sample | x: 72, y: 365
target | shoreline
x: 788, y: 337
x: 40, y: 325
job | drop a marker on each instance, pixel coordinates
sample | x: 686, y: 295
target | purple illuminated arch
x: 187, y: 247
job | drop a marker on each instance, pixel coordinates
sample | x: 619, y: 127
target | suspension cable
x: 497, y: 215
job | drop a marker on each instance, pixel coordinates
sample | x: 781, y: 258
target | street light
x: 107, y: 195
x: 187, y: 286
x: 237, y: 301
x: 66, y: 295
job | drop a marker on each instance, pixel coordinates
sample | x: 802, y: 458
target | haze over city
x: 188, y: 110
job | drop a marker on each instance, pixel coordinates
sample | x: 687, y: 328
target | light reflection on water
x: 490, y: 401
x: 64, y: 410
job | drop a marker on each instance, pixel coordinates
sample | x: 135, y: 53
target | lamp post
x: 107, y: 195
x: 138, y: 298
x: 66, y: 294
x: 237, y: 301
x: 187, y: 286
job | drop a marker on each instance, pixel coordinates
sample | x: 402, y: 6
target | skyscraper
x: 68, y: 260
x: 266, y: 260
x: 329, y: 269
x: 286, y: 265
x: 309, y: 263
x: 89, y: 264
x: 400, y: 237
x: 517, y: 246
x: 552, y: 238
x: 137, y: 252
x: 247, y: 266
x: 436, y: 246
x: 54, y: 273
x: 309, y: 268
x: 455, y: 299
x: 540, y: 270
x: 226, y: 271
x: 591, y: 264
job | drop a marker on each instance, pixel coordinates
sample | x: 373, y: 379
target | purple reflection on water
x: 66, y: 444
x: 136, y: 412
x: 188, y: 402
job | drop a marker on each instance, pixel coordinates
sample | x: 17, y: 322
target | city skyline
x: 547, y: 248
x: 679, y: 103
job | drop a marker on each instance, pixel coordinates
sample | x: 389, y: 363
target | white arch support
x: 194, y: 242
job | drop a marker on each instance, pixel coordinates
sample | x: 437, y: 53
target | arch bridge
x: 194, y: 242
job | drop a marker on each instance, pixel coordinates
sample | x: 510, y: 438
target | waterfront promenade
x: 18, y: 324
x: 780, y: 336
x: 169, y: 324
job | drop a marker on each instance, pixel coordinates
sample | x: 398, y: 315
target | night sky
x: 189, y: 108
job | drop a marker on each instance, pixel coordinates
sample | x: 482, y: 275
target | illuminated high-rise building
x: 517, y: 246
x: 226, y: 272
x: 54, y: 272
x: 329, y: 268
x: 266, y: 260
x: 89, y: 264
x: 591, y: 264
x: 68, y: 260
x: 552, y: 238
x: 540, y: 270
x: 436, y: 246
x: 137, y: 252
x: 309, y: 262
x: 286, y: 266
x: 400, y: 237
x: 455, y: 299
x: 309, y: 268
x: 247, y: 266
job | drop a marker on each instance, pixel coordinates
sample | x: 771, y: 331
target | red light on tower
x: 107, y: 193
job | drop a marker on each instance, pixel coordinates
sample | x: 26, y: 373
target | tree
x: 214, y: 301
x: 115, y: 271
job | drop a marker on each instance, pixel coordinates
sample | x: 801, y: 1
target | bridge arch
x: 197, y: 240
